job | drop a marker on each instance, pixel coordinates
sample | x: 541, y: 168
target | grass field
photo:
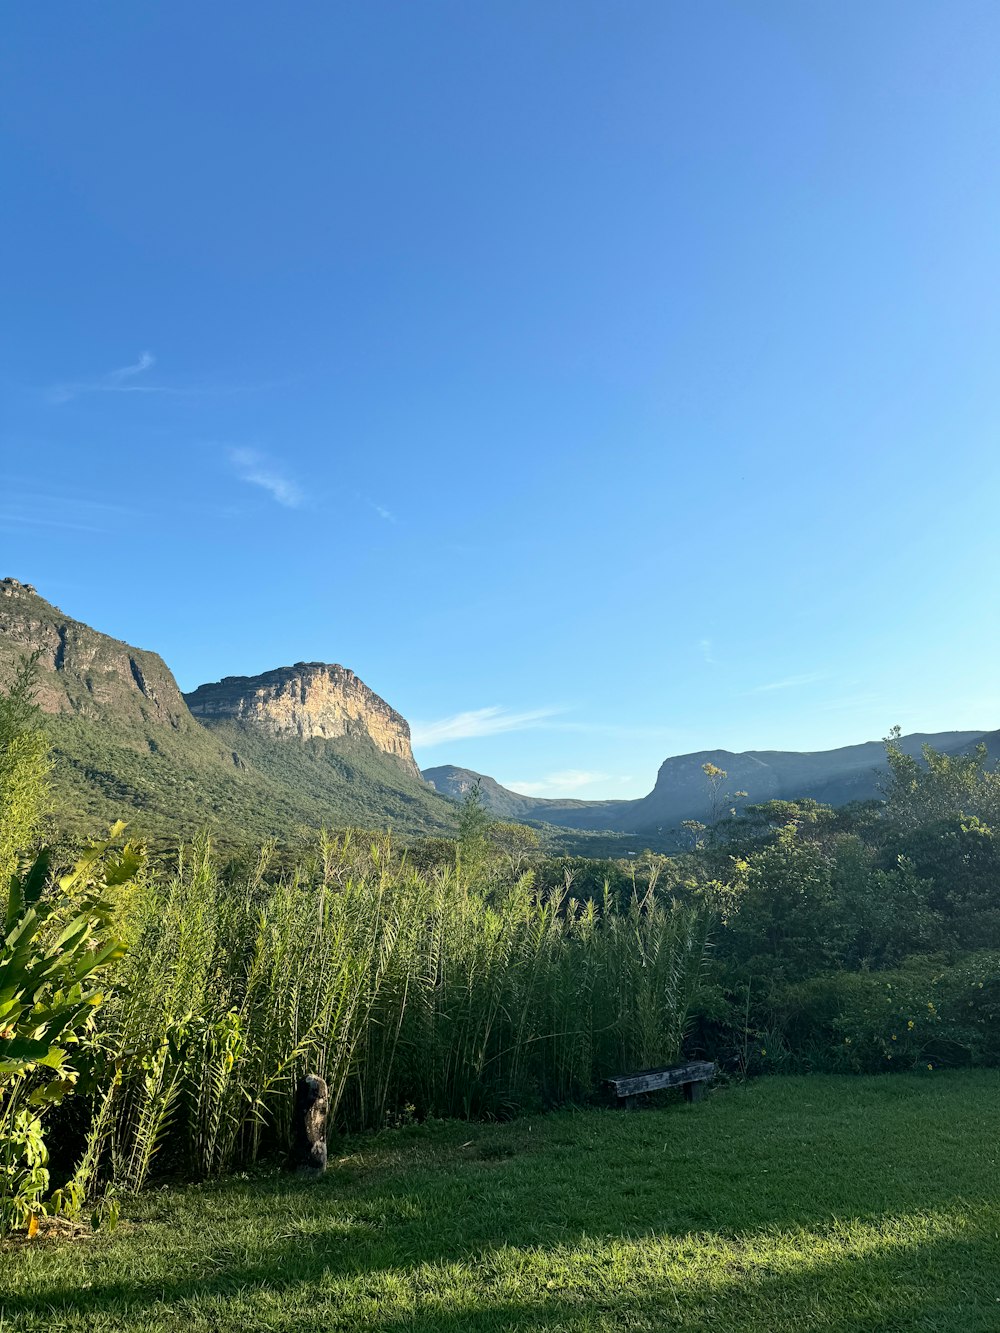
x: 789, y: 1204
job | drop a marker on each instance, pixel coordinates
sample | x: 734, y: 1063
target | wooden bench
x: 691, y: 1077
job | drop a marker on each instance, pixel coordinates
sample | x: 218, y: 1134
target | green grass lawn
x: 789, y: 1204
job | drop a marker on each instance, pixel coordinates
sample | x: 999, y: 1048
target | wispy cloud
x: 23, y: 520
x: 132, y: 379
x: 73, y: 513
x: 114, y: 381
x: 706, y: 651
x: 790, y: 682
x: 852, y: 702
x: 256, y: 469
x: 146, y: 361
x: 621, y: 731
x: 477, y: 722
x: 563, y: 783
x: 384, y: 513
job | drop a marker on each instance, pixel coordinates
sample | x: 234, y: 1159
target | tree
x: 944, y: 786
x: 786, y: 920
x: 517, y: 844
x: 718, y: 798
x: 24, y: 768
x: 474, y: 825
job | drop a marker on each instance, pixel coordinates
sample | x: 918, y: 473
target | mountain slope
x: 127, y: 746
x: 511, y: 805
x: 835, y: 777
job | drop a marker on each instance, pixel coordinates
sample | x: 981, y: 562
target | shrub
x: 930, y: 1011
x: 56, y: 939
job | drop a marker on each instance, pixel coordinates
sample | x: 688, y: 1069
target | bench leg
x: 629, y: 1103
x: 693, y: 1092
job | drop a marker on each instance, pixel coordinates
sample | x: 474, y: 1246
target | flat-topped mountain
x: 834, y: 777
x: 310, y: 700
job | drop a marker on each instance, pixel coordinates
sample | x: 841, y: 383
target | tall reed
x: 410, y: 993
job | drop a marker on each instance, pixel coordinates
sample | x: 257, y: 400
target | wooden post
x: 693, y: 1092
x: 309, y: 1128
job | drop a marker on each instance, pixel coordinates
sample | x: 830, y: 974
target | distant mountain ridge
x: 511, y: 805
x: 835, y: 777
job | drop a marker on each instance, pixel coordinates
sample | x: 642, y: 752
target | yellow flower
x: 763, y: 1051
x: 894, y: 1036
x: 910, y: 1025
x: 930, y: 1066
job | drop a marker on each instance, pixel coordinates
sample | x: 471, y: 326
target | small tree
x: 474, y: 825
x: 24, y: 768
x: 517, y: 845
x: 719, y: 799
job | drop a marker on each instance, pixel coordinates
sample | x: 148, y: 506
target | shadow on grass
x: 906, y: 1293
x: 943, y: 1284
x: 510, y: 1207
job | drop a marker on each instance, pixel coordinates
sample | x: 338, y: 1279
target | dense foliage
x: 866, y: 938
x: 56, y: 939
x: 473, y: 975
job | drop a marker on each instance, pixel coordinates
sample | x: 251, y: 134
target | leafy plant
x: 57, y: 937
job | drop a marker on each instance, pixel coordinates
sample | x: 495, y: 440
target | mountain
x: 279, y: 755
x: 82, y: 673
x: 510, y: 805
x: 834, y: 777
x: 310, y: 745
x: 311, y: 700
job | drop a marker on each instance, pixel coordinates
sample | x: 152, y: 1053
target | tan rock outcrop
x: 305, y: 701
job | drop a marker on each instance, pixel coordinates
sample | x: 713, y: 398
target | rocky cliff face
x: 305, y: 701
x: 82, y: 672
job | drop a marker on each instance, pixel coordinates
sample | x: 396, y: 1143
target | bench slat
x: 652, y: 1080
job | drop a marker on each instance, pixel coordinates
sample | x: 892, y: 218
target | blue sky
x: 598, y: 381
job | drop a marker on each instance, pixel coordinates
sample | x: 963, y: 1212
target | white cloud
x: 114, y: 381
x: 31, y: 521
x: 706, y: 651
x: 257, y: 470
x: 563, y: 783
x: 791, y: 682
x: 146, y: 360
x: 384, y: 513
x: 476, y: 722
x: 124, y: 380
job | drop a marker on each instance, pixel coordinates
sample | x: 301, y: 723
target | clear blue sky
x: 598, y: 381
